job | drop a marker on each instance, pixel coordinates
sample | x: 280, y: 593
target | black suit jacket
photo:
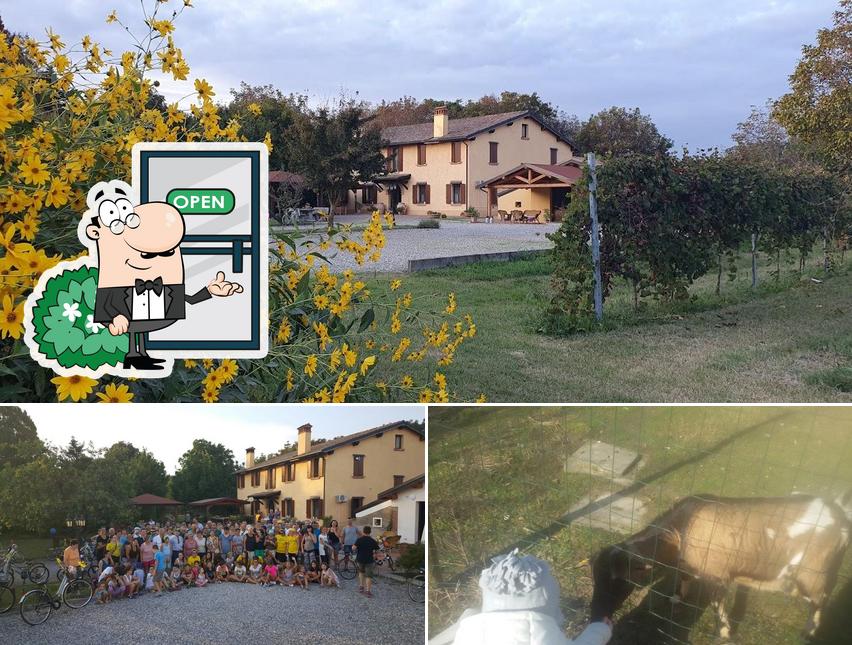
x: 112, y: 301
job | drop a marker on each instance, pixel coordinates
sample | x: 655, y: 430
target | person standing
x: 71, y: 562
x: 350, y: 535
x: 365, y: 549
x: 334, y: 538
x: 176, y: 545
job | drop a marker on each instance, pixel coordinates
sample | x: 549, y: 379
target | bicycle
x: 383, y: 555
x: 417, y: 586
x: 7, y: 599
x: 27, y: 570
x: 36, y: 605
x: 346, y: 568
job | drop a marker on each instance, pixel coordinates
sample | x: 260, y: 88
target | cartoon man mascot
x: 91, y: 316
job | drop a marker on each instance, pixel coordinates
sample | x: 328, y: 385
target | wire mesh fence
x: 563, y: 483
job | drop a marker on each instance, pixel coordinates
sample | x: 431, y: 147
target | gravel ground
x: 452, y: 239
x: 233, y: 613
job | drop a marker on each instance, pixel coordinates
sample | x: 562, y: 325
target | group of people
x: 270, y: 552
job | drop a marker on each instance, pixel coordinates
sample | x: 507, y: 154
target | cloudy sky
x: 167, y: 430
x: 694, y: 65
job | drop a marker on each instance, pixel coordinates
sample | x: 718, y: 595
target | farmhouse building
x: 506, y: 161
x: 334, y: 478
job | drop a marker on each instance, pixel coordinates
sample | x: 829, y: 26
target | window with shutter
x: 426, y: 199
x: 421, y: 154
x: 449, y: 193
x: 554, y: 152
x: 308, y: 509
x: 397, y: 442
x: 525, y: 130
x: 463, y: 199
x: 355, y: 505
x: 492, y: 152
x: 399, y: 159
x: 456, y: 152
x: 357, y: 465
x: 456, y: 193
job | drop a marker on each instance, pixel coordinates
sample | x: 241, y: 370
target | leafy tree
x: 142, y: 471
x: 206, y: 470
x: 762, y: 139
x: 334, y: 147
x: 19, y: 442
x: 261, y: 109
x: 618, y: 131
x: 819, y: 105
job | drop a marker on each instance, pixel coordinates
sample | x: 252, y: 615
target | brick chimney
x: 440, y: 122
x: 304, y: 444
x: 249, y: 457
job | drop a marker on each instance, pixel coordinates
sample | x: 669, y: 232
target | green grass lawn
x: 787, y: 341
x: 497, y: 480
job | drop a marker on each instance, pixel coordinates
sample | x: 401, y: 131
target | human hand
x: 119, y: 325
x: 221, y: 287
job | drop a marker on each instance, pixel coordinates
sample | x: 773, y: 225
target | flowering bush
x: 69, y: 116
x: 64, y: 325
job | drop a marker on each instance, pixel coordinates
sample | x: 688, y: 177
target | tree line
x: 42, y: 486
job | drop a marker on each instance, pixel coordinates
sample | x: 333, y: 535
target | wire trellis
x: 511, y: 477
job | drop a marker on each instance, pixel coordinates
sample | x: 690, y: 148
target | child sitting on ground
x: 130, y: 583
x: 301, y: 578
x: 150, y: 581
x: 239, y: 574
x: 102, y: 593
x: 328, y: 577
x: 255, y: 572
x: 210, y: 567
x: 194, y: 561
x: 288, y: 576
x: 222, y: 572
x: 313, y: 573
x: 187, y: 576
x: 270, y: 572
x: 176, y: 577
x: 201, y: 579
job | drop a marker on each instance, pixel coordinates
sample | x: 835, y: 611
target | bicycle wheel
x: 417, y: 588
x: 7, y: 599
x: 346, y: 569
x: 77, y: 594
x: 36, y: 607
x: 38, y: 573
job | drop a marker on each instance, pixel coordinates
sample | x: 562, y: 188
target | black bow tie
x: 155, y: 285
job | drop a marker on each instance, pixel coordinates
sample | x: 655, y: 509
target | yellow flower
x: 254, y: 108
x: 77, y: 387
x: 321, y: 302
x: 229, y: 369
x: 311, y: 365
x: 33, y: 171
x: 268, y: 141
x: 162, y: 27
x: 28, y: 227
x: 290, y: 377
x: 214, y: 379
x: 451, y: 304
x: 115, y: 394
x: 366, y: 364
x: 190, y: 363
x: 284, y: 331
x: 112, y: 17
x: 57, y: 194
x: 207, y: 363
x: 11, y: 318
x: 210, y: 395
x: 440, y: 381
x: 481, y: 399
x: 407, y: 382
x: 203, y: 88
x: 425, y: 395
x: 395, y: 284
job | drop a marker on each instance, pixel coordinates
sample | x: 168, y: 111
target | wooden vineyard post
x: 596, y: 240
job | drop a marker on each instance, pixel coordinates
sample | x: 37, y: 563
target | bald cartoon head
x: 140, y: 242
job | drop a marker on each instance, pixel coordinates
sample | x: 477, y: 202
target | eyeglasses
x: 117, y: 226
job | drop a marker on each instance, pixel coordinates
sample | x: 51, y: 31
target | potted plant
x: 401, y: 208
x: 472, y: 213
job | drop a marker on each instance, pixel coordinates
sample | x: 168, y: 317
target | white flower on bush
x: 91, y: 325
x: 72, y: 312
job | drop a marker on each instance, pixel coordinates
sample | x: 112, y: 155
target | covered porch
x: 268, y: 499
x: 210, y: 503
x: 525, y: 192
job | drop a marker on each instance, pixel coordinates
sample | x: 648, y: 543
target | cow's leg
x: 723, y: 622
x: 738, y: 609
x: 814, y: 618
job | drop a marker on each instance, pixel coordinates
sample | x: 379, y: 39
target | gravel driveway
x: 452, y: 239
x: 235, y: 613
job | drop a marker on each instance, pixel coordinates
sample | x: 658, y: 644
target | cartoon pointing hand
x: 221, y: 287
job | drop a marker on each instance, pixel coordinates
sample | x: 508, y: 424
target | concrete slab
x: 613, y: 513
x: 602, y: 459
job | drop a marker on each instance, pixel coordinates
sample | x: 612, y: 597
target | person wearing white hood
x: 520, y: 606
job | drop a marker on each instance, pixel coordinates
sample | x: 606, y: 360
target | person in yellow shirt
x: 113, y: 548
x: 280, y: 545
x: 292, y: 541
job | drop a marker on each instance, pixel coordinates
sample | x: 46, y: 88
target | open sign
x: 202, y: 201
